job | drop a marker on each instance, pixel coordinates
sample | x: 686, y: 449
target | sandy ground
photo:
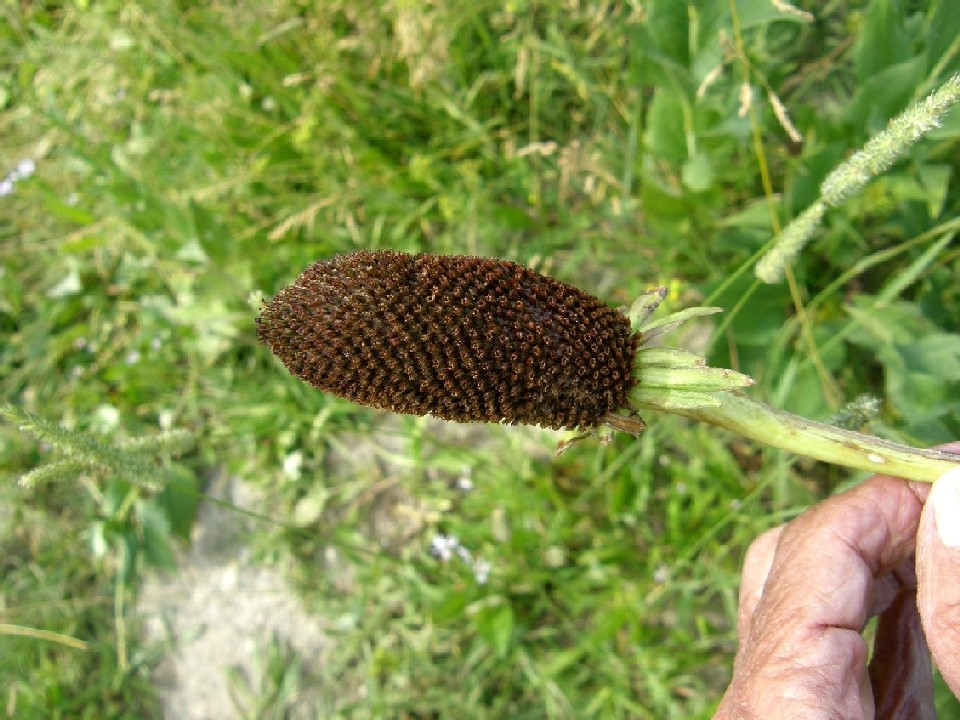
x: 219, y: 613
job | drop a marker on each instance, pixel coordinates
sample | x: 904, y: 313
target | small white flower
x: 661, y: 574
x: 26, y: 168
x: 6, y: 188
x: 464, y: 483
x: 156, y: 344
x: 736, y: 504
x: 481, y: 571
x: 292, y: 464
x: 133, y: 357
x: 442, y: 547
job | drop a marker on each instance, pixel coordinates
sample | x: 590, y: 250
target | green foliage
x: 85, y: 454
x: 138, y: 505
x: 275, y: 692
x: 189, y: 155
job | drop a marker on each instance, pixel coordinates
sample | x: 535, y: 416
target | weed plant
x: 182, y: 156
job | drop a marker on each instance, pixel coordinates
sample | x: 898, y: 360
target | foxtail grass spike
x: 461, y: 338
x: 850, y: 177
x: 791, y: 242
x: 134, y: 460
x: 889, y: 145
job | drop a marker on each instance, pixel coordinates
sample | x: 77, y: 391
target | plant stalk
x: 795, y: 434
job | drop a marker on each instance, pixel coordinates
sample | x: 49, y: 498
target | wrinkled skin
x: 810, y: 586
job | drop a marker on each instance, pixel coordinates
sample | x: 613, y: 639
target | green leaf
x: 885, y: 94
x: 71, y: 213
x: 215, y: 239
x: 916, y: 395
x: 697, y: 173
x: 942, y: 30
x: 886, y: 324
x: 938, y: 355
x: 936, y: 182
x: 804, y: 395
x: 759, y: 321
x: 668, y: 23
x: 882, y: 41
x: 156, y: 535
x: 665, y: 135
x: 663, y: 205
x: 753, y: 13
x: 666, y: 324
x: 129, y: 550
x: 495, y: 626
x: 180, y: 501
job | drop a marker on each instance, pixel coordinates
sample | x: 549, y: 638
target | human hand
x: 810, y: 586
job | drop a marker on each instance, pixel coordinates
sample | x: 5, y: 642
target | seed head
x: 462, y: 338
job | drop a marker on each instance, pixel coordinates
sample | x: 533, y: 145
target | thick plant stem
x: 830, y: 444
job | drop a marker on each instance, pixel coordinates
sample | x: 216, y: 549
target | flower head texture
x: 461, y: 338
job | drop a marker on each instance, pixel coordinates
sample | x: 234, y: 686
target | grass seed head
x: 461, y: 338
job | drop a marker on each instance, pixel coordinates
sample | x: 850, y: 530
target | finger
x: 827, y: 559
x: 756, y: 568
x: 938, y: 574
x: 900, y: 670
x: 805, y: 631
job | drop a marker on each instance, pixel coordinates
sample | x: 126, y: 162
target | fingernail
x: 945, y: 497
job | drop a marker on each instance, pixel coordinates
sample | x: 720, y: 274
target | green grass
x: 189, y: 155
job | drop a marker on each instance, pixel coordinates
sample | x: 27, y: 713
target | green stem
x: 830, y: 444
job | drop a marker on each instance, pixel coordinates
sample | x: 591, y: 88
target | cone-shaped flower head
x: 462, y: 338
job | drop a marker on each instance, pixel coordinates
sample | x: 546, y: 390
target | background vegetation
x: 185, y: 155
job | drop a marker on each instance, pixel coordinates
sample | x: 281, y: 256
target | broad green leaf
x: 180, y: 500
x: 936, y: 182
x: 156, y: 535
x: 938, y: 355
x: 883, y: 40
x: 666, y: 137
x: 943, y: 29
x: 697, y: 173
x: 885, y: 94
x: 668, y: 22
x: 495, y: 626
x: 884, y: 325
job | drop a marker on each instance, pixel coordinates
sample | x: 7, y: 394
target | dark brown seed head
x: 462, y: 338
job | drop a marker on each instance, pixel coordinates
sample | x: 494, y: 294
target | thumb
x: 938, y: 575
